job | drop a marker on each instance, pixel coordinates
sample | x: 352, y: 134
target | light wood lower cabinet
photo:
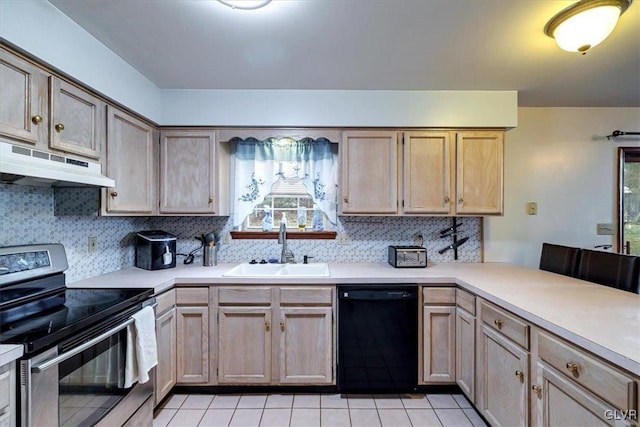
x: 502, y: 367
x: 306, y: 350
x: 465, y: 352
x: 244, y: 345
x: 572, y: 387
x: 438, y: 337
x: 192, y: 338
x: 275, y: 335
x: 166, y: 328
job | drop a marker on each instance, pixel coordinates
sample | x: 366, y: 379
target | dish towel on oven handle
x: 142, y: 349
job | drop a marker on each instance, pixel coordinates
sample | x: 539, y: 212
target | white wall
x: 43, y: 31
x: 40, y: 29
x: 340, y: 108
x: 559, y: 158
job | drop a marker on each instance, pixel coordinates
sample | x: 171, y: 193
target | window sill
x: 291, y: 235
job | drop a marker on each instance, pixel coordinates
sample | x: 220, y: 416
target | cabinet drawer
x: 5, y: 388
x: 306, y: 296
x: 596, y: 376
x: 166, y: 301
x: 507, y: 324
x: 244, y: 296
x: 466, y: 301
x: 192, y: 296
x: 438, y: 295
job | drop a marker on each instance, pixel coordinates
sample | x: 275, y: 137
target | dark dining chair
x: 559, y: 259
x: 610, y: 269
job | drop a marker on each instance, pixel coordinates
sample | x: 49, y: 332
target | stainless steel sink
x: 316, y: 269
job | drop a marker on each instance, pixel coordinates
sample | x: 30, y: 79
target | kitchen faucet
x: 286, y: 256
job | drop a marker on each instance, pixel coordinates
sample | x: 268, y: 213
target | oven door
x: 78, y: 386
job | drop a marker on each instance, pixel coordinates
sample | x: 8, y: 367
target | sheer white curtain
x: 258, y: 164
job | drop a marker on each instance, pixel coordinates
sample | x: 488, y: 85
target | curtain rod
x: 617, y: 133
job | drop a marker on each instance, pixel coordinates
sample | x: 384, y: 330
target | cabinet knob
x: 267, y: 326
x: 282, y: 325
x: 37, y: 119
x: 346, y: 200
x: 520, y: 375
x: 498, y: 323
x: 536, y: 389
x: 460, y: 200
x: 210, y: 199
x: 114, y: 194
x: 447, y: 199
x: 59, y: 127
x: 572, y: 367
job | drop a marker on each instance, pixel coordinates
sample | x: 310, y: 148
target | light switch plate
x: 532, y: 208
x: 605, y: 229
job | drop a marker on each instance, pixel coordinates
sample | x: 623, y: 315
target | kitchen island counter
x: 602, y: 320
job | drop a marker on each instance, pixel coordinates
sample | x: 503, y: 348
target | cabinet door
x: 427, y: 173
x: 187, y: 172
x: 132, y: 162
x: 465, y: 353
x: 369, y: 179
x: 479, y: 172
x: 503, y: 390
x: 244, y: 345
x: 561, y: 402
x: 166, y: 327
x: 192, y: 351
x: 23, y: 104
x: 439, y: 344
x: 77, y: 119
x: 306, y: 345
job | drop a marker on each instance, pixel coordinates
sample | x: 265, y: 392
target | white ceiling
x: 368, y: 45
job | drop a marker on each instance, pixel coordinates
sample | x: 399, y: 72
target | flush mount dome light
x: 585, y: 24
x: 245, y: 4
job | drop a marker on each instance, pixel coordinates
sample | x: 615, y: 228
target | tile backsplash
x: 28, y: 217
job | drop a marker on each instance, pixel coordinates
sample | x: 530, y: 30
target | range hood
x: 27, y: 166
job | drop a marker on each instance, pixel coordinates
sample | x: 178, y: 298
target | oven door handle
x: 61, y: 358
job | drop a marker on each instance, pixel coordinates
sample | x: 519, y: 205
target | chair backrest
x: 610, y: 269
x: 559, y: 259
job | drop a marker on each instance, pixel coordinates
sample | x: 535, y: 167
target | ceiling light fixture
x: 245, y: 4
x: 585, y: 24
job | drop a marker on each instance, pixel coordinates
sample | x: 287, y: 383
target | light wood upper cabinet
x: 77, y: 119
x: 24, y: 112
x: 132, y: 155
x: 188, y: 174
x: 427, y: 173
x: 479, y: 172
x: 369, y: 164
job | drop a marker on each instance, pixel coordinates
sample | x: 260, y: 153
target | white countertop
x: 9, y: 353
x: 597, y: 318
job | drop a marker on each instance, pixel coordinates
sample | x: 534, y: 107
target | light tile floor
x: 308, y: 410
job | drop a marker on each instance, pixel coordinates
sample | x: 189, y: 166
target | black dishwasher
x: 377, y: 338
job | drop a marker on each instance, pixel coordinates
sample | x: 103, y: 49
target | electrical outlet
x: 93, y: 244
x: 418, y: 239
x: 343, y: 239
x: 226, y: 237
x: 604, y: 229
x: 532, y: 208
